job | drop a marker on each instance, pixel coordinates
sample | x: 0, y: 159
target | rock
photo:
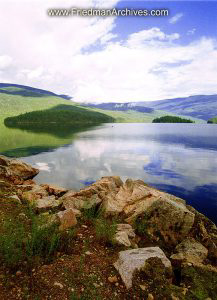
x: 206, y: 232
x: 190, y: 251
x: 132, y: 199
x: 18, y: 273
x: 10, y: 167
x: 150, y: 297
x: 143, y: 287
x: 130, y: 261
x: 124, y: 235
x: 60, y: 285
x: 91, y: 196
x: 33, y: 193
x: 112, y: 279
x: 169, y: 220
x: 46, y: 203
x: 67, y: 219
x: 54, y: 190
x: 16, y: 199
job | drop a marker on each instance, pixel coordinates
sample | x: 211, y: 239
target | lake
x: 178, y: 158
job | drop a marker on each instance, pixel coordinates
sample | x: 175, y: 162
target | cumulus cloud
x: 58, y: 54
x: 150, y: 35
x: 176, y: 18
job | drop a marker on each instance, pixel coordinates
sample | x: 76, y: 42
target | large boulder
x: 191, y: 251
x: 130, y: 261
x: 168, y: 220
x: 93, y: 195
x: 133, y: 198
x: 16, y: 169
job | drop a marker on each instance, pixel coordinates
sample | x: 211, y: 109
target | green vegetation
x: 20, y: 242
x: 171, y: 119
x: 62, y: 115
x: 212, y: 121
x: 105, y: 230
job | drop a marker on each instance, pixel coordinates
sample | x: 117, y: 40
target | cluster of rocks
x: 187, y: 237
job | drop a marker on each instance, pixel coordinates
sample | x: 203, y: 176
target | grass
x: 20, y: 242
x: 105, y: 229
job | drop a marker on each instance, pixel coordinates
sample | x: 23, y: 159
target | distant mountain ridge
x: 27, y: 91
x: 121, y: 107
x: 200, y: 106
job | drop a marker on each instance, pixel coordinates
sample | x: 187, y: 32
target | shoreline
x: 110, y: 219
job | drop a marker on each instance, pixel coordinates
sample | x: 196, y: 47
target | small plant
x: 141, y: 225
x: 11, y: 243
x: 105, y: 229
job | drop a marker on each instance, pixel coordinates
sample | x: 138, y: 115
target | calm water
x: 177, y: 158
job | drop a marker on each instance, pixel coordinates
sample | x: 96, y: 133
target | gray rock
x: 124, y: 235
x: 169, y: 220
x: 130, y: 261
x: 46, y: 203
x: 16, y: 168
x: 190, y: 251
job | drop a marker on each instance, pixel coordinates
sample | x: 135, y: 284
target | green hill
x: 60, y: 116
x: 16, y: 100
x: 212, y: 121
x: 171, y: 119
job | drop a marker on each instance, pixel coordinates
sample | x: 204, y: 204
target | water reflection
x: 180, y: 159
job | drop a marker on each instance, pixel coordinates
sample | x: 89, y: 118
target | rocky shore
x: 113, y: 239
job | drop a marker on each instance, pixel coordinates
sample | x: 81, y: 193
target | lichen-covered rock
x: 124, y: 235
x: 168, y: 220
x: 33, y: 193
x: 16, y: 169
x: 206, y: 233
x: 130, y: 261
x: 46, y: 203
x: 190, y: 251
x: 54, y: 190
x: 67, y: 219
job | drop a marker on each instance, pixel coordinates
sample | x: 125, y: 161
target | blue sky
x: 113, y: 59
x: 201, y: 15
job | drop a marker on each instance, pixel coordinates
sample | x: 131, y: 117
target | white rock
x: 134, y: 260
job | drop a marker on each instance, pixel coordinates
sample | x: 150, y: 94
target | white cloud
x: 52, y: 53
x: 176, y: 18
x: 150, y: 35
x: 107, y: 38
x: 191, y: 31
x: 5, y: 61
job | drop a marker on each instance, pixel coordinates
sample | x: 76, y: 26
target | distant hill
x: 201, y: 106
x: 121, y: 107
x: 27, y: 91
x: 171, y: 119
x: 212, y: 120
x: 60, y: 116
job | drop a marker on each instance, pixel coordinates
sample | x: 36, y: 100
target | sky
x: 110, y: 59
